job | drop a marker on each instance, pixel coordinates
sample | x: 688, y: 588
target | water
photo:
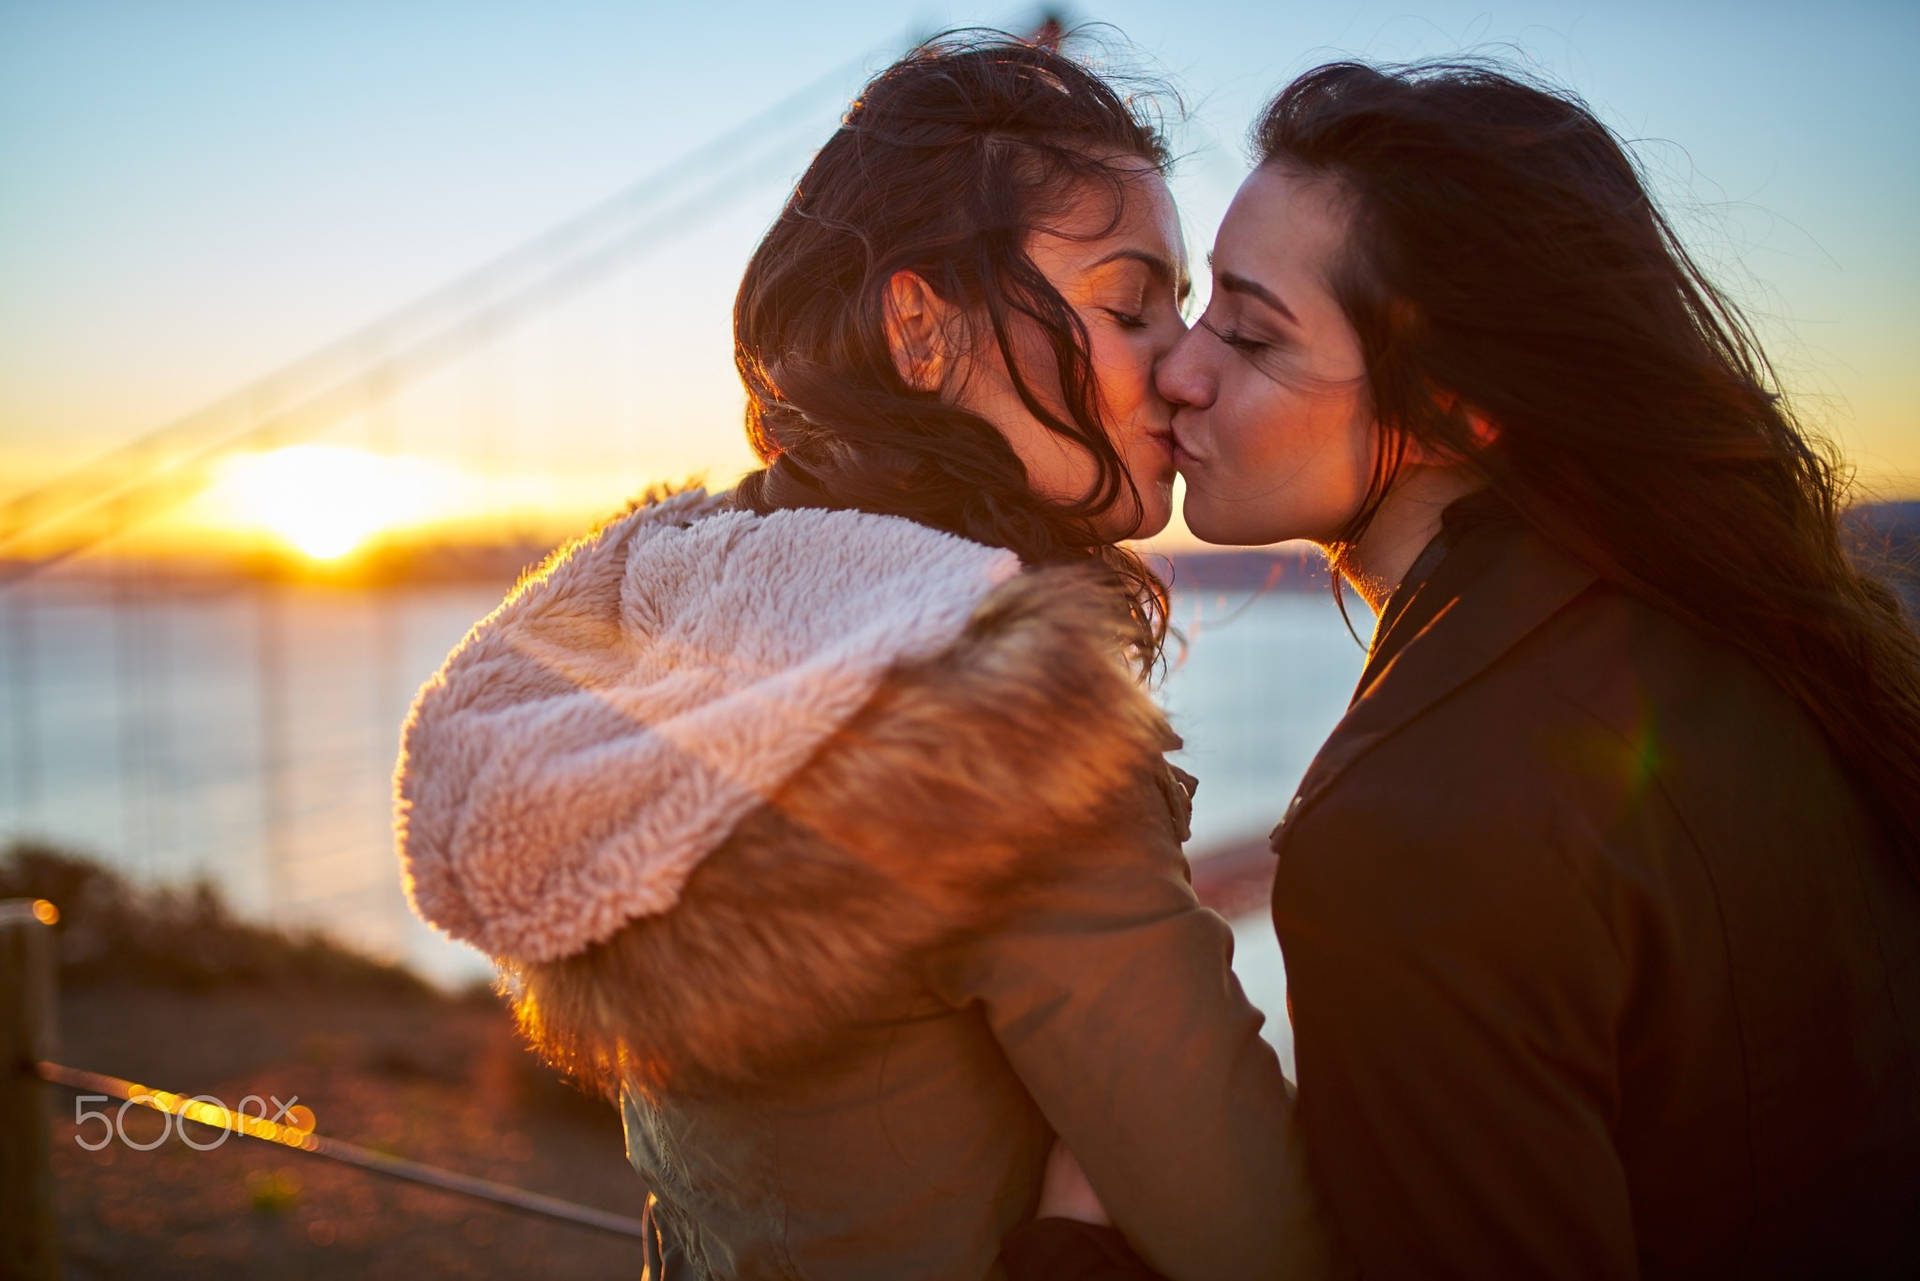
x: 140, y: 731
x: 1264, y: 682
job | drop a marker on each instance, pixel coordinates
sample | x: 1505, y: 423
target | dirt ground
x: 437, y: 1080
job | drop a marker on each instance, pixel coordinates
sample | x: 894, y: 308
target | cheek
x: 1347, y: 425
x: 1266, y: 429
x: 1123, y: 371
x: 1309, y: 449
x: 1033, y: 356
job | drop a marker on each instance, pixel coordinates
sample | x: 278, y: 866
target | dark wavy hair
x: 1506, y: 261
x: 943, y: 166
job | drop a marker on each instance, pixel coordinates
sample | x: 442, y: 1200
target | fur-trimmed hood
x: 706, y: 778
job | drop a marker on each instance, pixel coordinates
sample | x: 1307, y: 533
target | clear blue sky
x: 195, y: 192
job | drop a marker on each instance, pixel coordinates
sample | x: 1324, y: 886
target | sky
x: 195, y: 194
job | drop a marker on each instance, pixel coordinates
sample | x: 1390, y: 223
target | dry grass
x: 168, y: 989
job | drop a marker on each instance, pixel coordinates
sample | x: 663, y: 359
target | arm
x: 1112, y: 996
x: 1455, y: 994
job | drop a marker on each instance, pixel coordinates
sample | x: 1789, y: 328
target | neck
x: 1405, y: 523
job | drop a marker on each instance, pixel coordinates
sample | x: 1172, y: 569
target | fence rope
x: 297, y: 1139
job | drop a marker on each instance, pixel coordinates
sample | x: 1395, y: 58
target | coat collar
x: 1495, y: 581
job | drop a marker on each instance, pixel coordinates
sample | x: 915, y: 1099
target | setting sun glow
x: 325, y: 500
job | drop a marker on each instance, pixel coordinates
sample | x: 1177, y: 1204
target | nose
x: 1184, y: 376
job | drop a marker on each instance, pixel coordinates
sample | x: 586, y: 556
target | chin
x: 1149, y: 518
x: 1153, y: 520
x: 1224, y: 527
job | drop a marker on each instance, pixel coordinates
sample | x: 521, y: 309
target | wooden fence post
x: 28, y: 1243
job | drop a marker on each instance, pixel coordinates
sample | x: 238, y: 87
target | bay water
x: 247, y: 735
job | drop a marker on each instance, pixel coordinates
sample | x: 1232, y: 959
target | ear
x: 919, y: 330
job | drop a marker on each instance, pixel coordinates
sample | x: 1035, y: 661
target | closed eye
x: 1233, y: 338
x: 1126, y: 320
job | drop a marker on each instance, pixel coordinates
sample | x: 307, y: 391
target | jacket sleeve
x: 1110, y: 990
x: 1455, y: 993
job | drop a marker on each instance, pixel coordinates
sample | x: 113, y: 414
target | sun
x: 325, y: 500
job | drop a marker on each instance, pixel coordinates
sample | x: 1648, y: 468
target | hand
x: 1065, y: 1192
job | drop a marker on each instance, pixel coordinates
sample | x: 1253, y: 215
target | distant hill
x: 1886, y: 541
x: 1291, y: 567
x: 1899, y: 521
x: 1884, y: 536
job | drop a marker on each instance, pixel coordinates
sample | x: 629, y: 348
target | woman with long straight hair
x: 825, y: 823
x: 1601, y: 906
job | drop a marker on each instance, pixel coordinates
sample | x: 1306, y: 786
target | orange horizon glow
x: 326, y: 501
x: 327, y: 505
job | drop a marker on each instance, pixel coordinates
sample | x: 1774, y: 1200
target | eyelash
x: 1232, y: 338
x: 1127, y: 319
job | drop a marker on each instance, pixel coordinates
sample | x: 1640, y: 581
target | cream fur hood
x: 783, y: 749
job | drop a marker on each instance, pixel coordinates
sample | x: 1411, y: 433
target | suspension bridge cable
x: 142, y: 497
x: 89, y: 484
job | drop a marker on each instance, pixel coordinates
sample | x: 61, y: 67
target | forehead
x: 1087, y: 226
x: 1284, y: 227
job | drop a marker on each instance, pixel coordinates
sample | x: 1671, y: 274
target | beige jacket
x: 960, y: 926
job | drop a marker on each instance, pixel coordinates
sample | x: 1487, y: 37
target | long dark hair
x: 1507, y: 262
x: 943, y: 166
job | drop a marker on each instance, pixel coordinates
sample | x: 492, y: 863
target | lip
x: 1181, y: 454
x: 1167, y: 442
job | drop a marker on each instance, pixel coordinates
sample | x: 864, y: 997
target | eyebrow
x: 1162, y: 269
x: 1236, y: 284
